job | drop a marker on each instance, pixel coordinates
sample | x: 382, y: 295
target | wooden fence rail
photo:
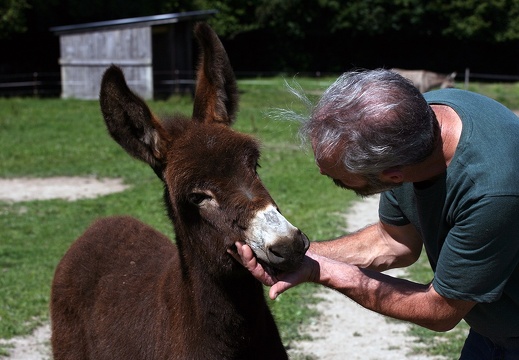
x: 49, y: 84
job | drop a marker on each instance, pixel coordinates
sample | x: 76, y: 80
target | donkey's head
x: 213, y: 193
x: 448, y: 81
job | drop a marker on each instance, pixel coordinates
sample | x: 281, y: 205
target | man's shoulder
x: 453, y: 95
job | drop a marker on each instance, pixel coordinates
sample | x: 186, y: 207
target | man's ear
x: 393, y: 175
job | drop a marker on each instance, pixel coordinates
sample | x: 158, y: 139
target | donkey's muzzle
x: 287, y: 254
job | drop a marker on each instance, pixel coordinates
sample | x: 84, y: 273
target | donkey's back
x: 117, y: 268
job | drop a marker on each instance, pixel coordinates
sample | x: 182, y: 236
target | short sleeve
x: 389, y: 210
x: 481, y: 251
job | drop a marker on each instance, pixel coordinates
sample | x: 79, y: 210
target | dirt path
x: 68, y: 188
x: 32, y: 347
x: 344, y: 329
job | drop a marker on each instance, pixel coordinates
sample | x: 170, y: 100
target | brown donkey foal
x: 124, y: 291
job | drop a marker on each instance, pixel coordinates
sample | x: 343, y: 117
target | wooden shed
x: 155, y: 53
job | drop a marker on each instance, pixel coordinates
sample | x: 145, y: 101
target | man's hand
x: 245, y: 256
x: 307, y: 272
x: 397, y: 298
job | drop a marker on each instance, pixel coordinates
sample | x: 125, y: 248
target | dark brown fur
x: 123, y: 290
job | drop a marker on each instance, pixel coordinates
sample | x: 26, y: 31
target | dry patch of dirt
x: 31, y: 347
x: 68, y: 188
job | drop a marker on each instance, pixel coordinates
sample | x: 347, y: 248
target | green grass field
x: 53, y: 137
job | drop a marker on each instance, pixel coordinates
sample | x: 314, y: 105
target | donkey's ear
x: 130, y: 121
x: 216, y: 96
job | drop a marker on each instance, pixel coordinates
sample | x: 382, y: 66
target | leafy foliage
x: 463, y: 19
x: 296, y: 35
x: 12, y: 17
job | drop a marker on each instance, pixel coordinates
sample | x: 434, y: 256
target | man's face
x: 361, y: 184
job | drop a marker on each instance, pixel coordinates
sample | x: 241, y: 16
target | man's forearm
x: 363, y: 248
x: 397, y: 298
x: 378, y: 247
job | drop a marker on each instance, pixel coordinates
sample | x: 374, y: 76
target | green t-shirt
x: 469, y: 217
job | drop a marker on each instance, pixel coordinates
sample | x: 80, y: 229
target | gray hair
x: 373, y: 120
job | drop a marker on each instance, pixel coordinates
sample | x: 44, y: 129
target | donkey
x: 125, y: 291
x: 426, y: 80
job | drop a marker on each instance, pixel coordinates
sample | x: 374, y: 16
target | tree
x: 487, y: 20
x: 302, y: 35
x: 12, y: 18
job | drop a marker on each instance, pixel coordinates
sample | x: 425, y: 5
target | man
x: 446, y: 165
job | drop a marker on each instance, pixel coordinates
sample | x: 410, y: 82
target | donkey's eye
x: 197, y: 198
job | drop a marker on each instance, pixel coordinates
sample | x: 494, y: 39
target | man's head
x: 362, y: 184
x: 368, y: 124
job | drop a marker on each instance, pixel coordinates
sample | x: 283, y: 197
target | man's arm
x: 379, y: 247
x: 350, y: 265
x: 397, y: 298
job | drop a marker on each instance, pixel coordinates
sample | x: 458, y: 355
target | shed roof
x: 135, y: 22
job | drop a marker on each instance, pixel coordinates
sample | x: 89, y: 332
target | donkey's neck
x: 243, y: 297
x: 230, y: 286
x: 224, y: 313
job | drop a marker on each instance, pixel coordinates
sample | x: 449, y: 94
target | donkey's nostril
x: 275, y: 253
x: 287, y: 254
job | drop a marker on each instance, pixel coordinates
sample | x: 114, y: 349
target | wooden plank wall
x: 85, y: 56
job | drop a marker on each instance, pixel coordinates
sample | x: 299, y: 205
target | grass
x: 53, y: 137
x: 505, y: 93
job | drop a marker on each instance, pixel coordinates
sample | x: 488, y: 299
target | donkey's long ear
x: 130, y: 121
x: 216, y: 97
